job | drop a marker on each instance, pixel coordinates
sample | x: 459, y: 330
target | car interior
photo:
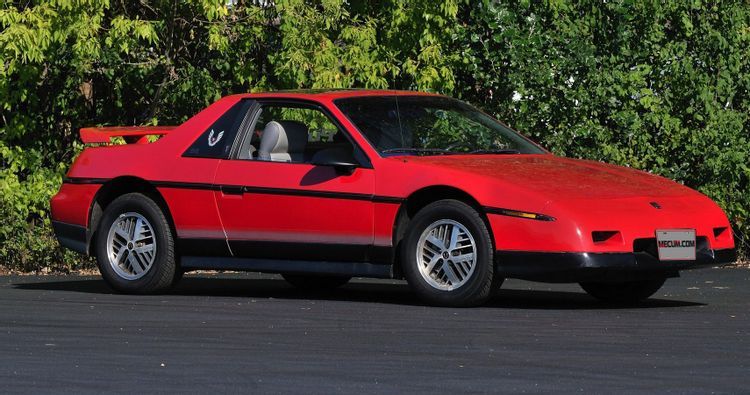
x: 308, y: 138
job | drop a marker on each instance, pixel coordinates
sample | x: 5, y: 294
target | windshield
x: 430, y: 125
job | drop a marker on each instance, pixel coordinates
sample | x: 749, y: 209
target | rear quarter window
x: 216, y: 141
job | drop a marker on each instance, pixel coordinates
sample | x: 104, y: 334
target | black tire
x: 477, y: 286
x: 162, y: 272
x: 627, y: 292
x: 310, y: 282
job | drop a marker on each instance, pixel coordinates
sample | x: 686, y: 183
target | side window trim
x: 246, y: 128
x: 257, y: 109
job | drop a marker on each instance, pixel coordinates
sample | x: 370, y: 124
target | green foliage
x: 657, y: 85
x: 320, y: 127
x: 25, y: 189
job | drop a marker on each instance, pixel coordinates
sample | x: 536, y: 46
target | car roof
x: 332, y: 94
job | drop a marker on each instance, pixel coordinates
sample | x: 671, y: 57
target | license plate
x: 676, y: 244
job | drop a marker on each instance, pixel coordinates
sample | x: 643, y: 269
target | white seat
x: 283, y: 141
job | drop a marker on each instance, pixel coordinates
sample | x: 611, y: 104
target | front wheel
x: 134, y: 246
x: 447, y: 255
x: 627, y: 292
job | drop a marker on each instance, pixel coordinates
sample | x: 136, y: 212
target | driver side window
x: 295, y: 133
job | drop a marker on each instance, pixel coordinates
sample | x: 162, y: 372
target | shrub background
x: 656, y: 85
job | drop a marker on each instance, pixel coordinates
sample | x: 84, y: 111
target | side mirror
x: 341, y: 167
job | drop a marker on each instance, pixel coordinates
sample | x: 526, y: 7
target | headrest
x: 282, y: 137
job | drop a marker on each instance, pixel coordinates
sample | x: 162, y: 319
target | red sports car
x: 321, y: 186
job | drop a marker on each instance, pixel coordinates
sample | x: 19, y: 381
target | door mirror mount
x: 341, y: 167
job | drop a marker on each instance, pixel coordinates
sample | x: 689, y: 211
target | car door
x: 287, y: 207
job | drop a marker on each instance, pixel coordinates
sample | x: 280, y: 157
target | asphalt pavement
x: 251, y: 333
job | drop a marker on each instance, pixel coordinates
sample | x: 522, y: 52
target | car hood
x: 559, y: 178
x: 583, y: 197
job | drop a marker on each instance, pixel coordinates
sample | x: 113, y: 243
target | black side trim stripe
x: 387, y: 199
x: 251, y: 189
x: 281, y: 191
x: 298, y: 192
x: 301, y: 192
x: 236, y: 189
x: 185, y: 185
x: 80, y: 180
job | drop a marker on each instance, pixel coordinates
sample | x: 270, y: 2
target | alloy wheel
x: 446, y: 255
x: 131, y: 246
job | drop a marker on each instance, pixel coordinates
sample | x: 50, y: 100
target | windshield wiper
x: 417, y: 151
x: 496, y: 151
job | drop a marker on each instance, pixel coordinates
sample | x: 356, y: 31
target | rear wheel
x: 447, y: 255
x: 134, y: 246
x: 315, y: 282
x: 627, y: 292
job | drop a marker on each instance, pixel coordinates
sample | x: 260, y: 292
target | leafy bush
x: 26, y: 186
x: 657, y: 85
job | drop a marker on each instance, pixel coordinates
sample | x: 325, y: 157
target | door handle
x: 232, y: 190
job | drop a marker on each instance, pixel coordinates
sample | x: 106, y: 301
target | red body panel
x: 194, y: 213
x: 384, y: 221
x: 292, y: 217
x: 582, y: 196
x: 72, y: 203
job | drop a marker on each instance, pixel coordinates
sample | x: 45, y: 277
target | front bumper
x: 564, y: 267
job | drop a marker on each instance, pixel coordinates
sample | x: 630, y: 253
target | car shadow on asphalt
x: 368, y: 292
